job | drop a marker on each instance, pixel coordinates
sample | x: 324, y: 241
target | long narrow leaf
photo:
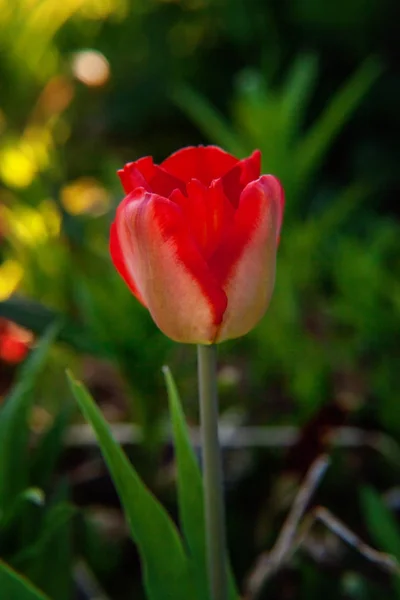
x: 30, y: 496
x: 296, y: 93
x: 14, y: 430
x: 14, y: 586
x: 56, y: 517
x: 48, y: 562
x: 381, y: 523
x: 208, y: 120
x: 314, y: 145
x: 167, y: 572
x: 382, y: 526
x: 190, y: 491
x: 49, y: 449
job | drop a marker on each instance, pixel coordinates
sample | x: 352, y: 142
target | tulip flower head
x: 14, y: 342
x: 195, y: 239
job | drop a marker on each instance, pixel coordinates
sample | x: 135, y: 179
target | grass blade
x: 15, y: 587
x: 382, y: 527
x: 321, y: 134
x: 210, y: 122
x: 167, y: 572
x: 14, y: 429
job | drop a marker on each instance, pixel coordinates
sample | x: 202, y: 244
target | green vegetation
x: 87, y: 85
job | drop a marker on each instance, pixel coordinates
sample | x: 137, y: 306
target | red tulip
x: 195, y: 240
x: 14, y: 342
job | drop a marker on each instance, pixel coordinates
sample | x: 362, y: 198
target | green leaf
x: 382, y: 526
x: 54, y: 519
x: 296, y: 93
x: 344, y: 204
x: 381, y: 523
x: 49, y: 448
x: 316, y: 142
x: 38, y: 318
x: 47, y: 562
x: 14, y: 431
x: 210, y: 122
x: 167, y: 570
x: 15, y: 587
x: 33, y: 495
x: 190, y: 492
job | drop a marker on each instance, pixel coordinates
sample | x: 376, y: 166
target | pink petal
x: 119, y: 263
x: 179, y: 289
x: 245, y: 263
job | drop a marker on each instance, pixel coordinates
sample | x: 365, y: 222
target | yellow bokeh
x: 85, y: 195
x: 31, y: 226
x: 11, y: 273
x: 20, y: 160
x: 17, y: 167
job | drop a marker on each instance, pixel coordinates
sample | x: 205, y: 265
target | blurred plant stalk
x: 212, y: 473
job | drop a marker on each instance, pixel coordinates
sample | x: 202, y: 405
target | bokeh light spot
x: 91, y: 68
x: 11, y: 273
x: 85, y: 195
x: 17, y: 168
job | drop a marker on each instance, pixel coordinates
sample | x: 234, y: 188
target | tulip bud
x: 195, y: 240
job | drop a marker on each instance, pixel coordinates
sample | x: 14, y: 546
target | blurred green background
x: 87, y: 85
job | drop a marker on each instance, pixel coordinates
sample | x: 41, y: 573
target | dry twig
x: 290, y: 539
x: 336, y: 526
x: 270, y: 562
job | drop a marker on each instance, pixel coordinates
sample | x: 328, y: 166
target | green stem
x: 212, y: 473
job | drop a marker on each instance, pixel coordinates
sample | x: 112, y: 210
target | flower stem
x: 212, y: 473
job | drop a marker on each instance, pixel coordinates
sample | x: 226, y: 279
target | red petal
x: 145, y: 174
x: 180, y: 291
x: 242, y: 174
x: 204, y: 163
x: 208, y: 214
x: 13, y: 350
x: 131, y: 178
x: 119, y: 263
x: 245, y: 262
